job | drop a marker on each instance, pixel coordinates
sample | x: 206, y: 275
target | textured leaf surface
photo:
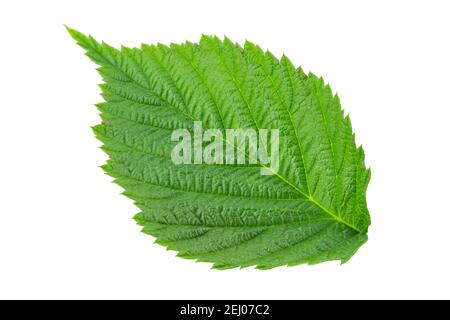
x: 312, y: 210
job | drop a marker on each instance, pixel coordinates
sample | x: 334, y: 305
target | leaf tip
x: 75, y: 34
x: 69, y: 29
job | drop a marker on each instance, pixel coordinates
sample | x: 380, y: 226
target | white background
x: 65, y: 230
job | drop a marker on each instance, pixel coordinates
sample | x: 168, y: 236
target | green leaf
x: 312, y: 210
